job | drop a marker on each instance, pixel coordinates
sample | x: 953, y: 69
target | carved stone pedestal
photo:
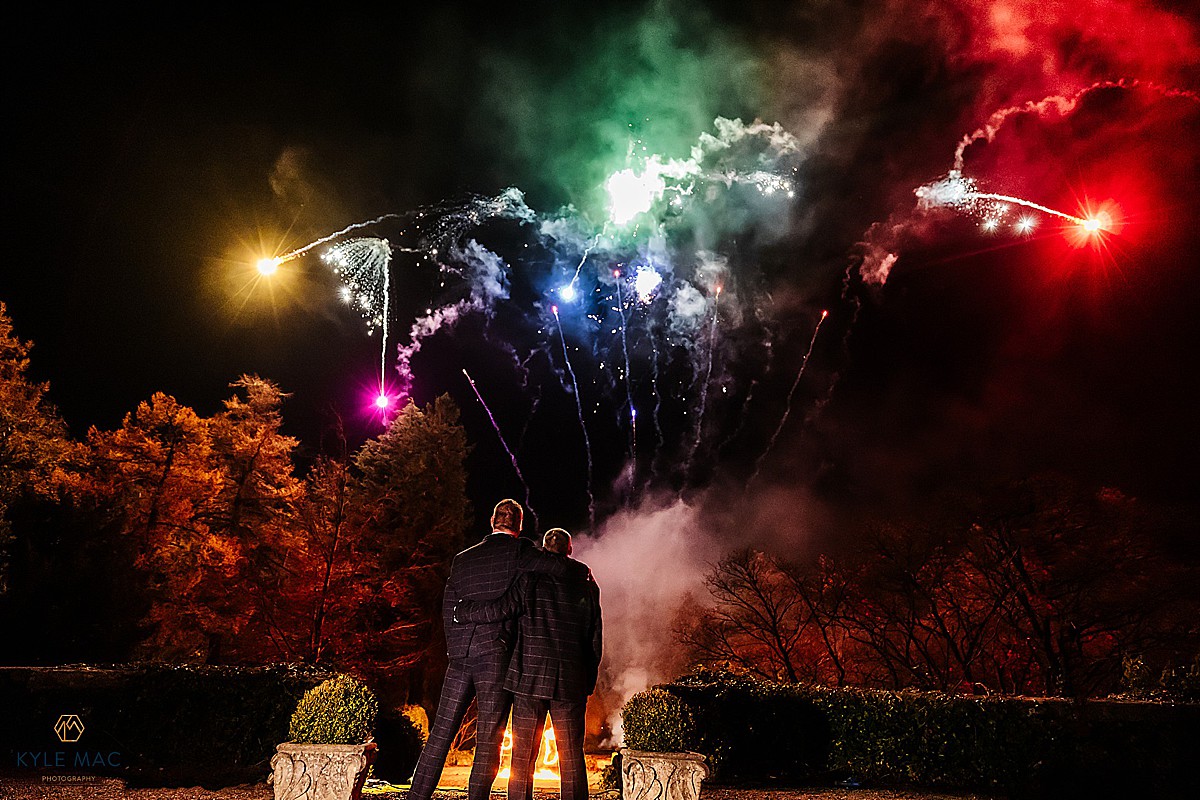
x: 661, y: 776
x: 320, y: 771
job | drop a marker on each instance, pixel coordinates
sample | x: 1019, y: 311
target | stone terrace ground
x: 113, y: 789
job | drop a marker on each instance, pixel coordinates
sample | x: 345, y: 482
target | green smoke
x: 651, y: 81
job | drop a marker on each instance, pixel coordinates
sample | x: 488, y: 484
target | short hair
x: 507, y: 516
x: 556, y: 533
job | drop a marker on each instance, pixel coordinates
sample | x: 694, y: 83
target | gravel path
x: 113, y: 789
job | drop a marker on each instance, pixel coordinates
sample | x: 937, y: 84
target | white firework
x: 362, y: 267
x: 962, y: 193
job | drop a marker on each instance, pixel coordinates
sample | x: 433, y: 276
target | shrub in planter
x: 340, y: 710
x: 656, y: 762
x: 657, y: 720
x: 330, y: 745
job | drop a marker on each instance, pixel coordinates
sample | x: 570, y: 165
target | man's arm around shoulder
x: 508, y: 605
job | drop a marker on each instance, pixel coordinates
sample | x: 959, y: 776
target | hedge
x: 756, y: 732
x: 154, y: 724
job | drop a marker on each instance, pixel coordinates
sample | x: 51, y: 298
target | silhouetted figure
x: 479, y: 652
x: 553, y: 668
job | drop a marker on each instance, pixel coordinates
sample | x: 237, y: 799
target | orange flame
x: 547, y: 760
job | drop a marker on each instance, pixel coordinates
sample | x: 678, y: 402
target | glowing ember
x: 1101, y: 223
x: 1096, y: 225
x: 647, y: 282
x: 631, y: 194
x: 267, y: 266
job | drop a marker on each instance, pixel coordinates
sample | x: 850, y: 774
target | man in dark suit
x: 553, y: 669
x: 479, y: 652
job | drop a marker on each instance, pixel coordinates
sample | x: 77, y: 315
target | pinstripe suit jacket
x: 485, y: 572
x: 559, y: 638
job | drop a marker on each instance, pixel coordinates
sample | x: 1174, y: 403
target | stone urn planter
x: 648, y: 775
x: 320, y: 771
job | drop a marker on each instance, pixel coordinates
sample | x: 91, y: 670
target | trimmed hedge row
x: 154, y: 724
x: 761, y: 732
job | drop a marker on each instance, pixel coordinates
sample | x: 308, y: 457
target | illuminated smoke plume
x: 669, y: 543
x: 487, y: 280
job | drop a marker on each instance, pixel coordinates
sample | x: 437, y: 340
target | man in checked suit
x: 479, y: 653
x: 553, y: 668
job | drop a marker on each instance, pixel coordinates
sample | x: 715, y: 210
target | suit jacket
x: 484, y: 572
x: 559, y: 634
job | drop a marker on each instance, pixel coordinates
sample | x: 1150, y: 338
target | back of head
x: 507, y: 516
x: 558, y: 541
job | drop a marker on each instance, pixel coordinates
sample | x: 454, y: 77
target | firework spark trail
x: 511, y: 456
x: 658, y: 434
x: 587, y: 443
x: 324, y: 239
x: 742, y: 417
x: 533, y: 407
x: 654, y: 386
x: 959, y: 192
x: 768, y: 344
x: 363, y: 263
x: 364, y: 267
x: 787, y: 408
x: 386, y: 277
x: 543, y: 348
x: 628, y: 386
x: 1028, y: 204
x: 587, y: 252
x: 712, y: 340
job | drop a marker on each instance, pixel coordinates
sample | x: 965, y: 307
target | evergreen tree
x: 252, y: 514
x: 156, y: 473
x: 324, y: 559
x: 33, y: 439
x: 407, y: 517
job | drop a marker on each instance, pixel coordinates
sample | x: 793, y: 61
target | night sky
x: 150, y: 161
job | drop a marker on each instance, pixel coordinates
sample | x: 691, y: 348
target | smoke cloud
x: 645, y: 561
x: 487, y: 280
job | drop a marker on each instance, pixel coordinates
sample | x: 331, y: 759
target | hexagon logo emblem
x: 68, y: 728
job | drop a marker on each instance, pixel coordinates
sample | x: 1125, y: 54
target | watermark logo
x: 68, y: 728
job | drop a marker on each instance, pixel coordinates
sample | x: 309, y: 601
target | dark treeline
x: 1043, y: 588
x: 184, y: 538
